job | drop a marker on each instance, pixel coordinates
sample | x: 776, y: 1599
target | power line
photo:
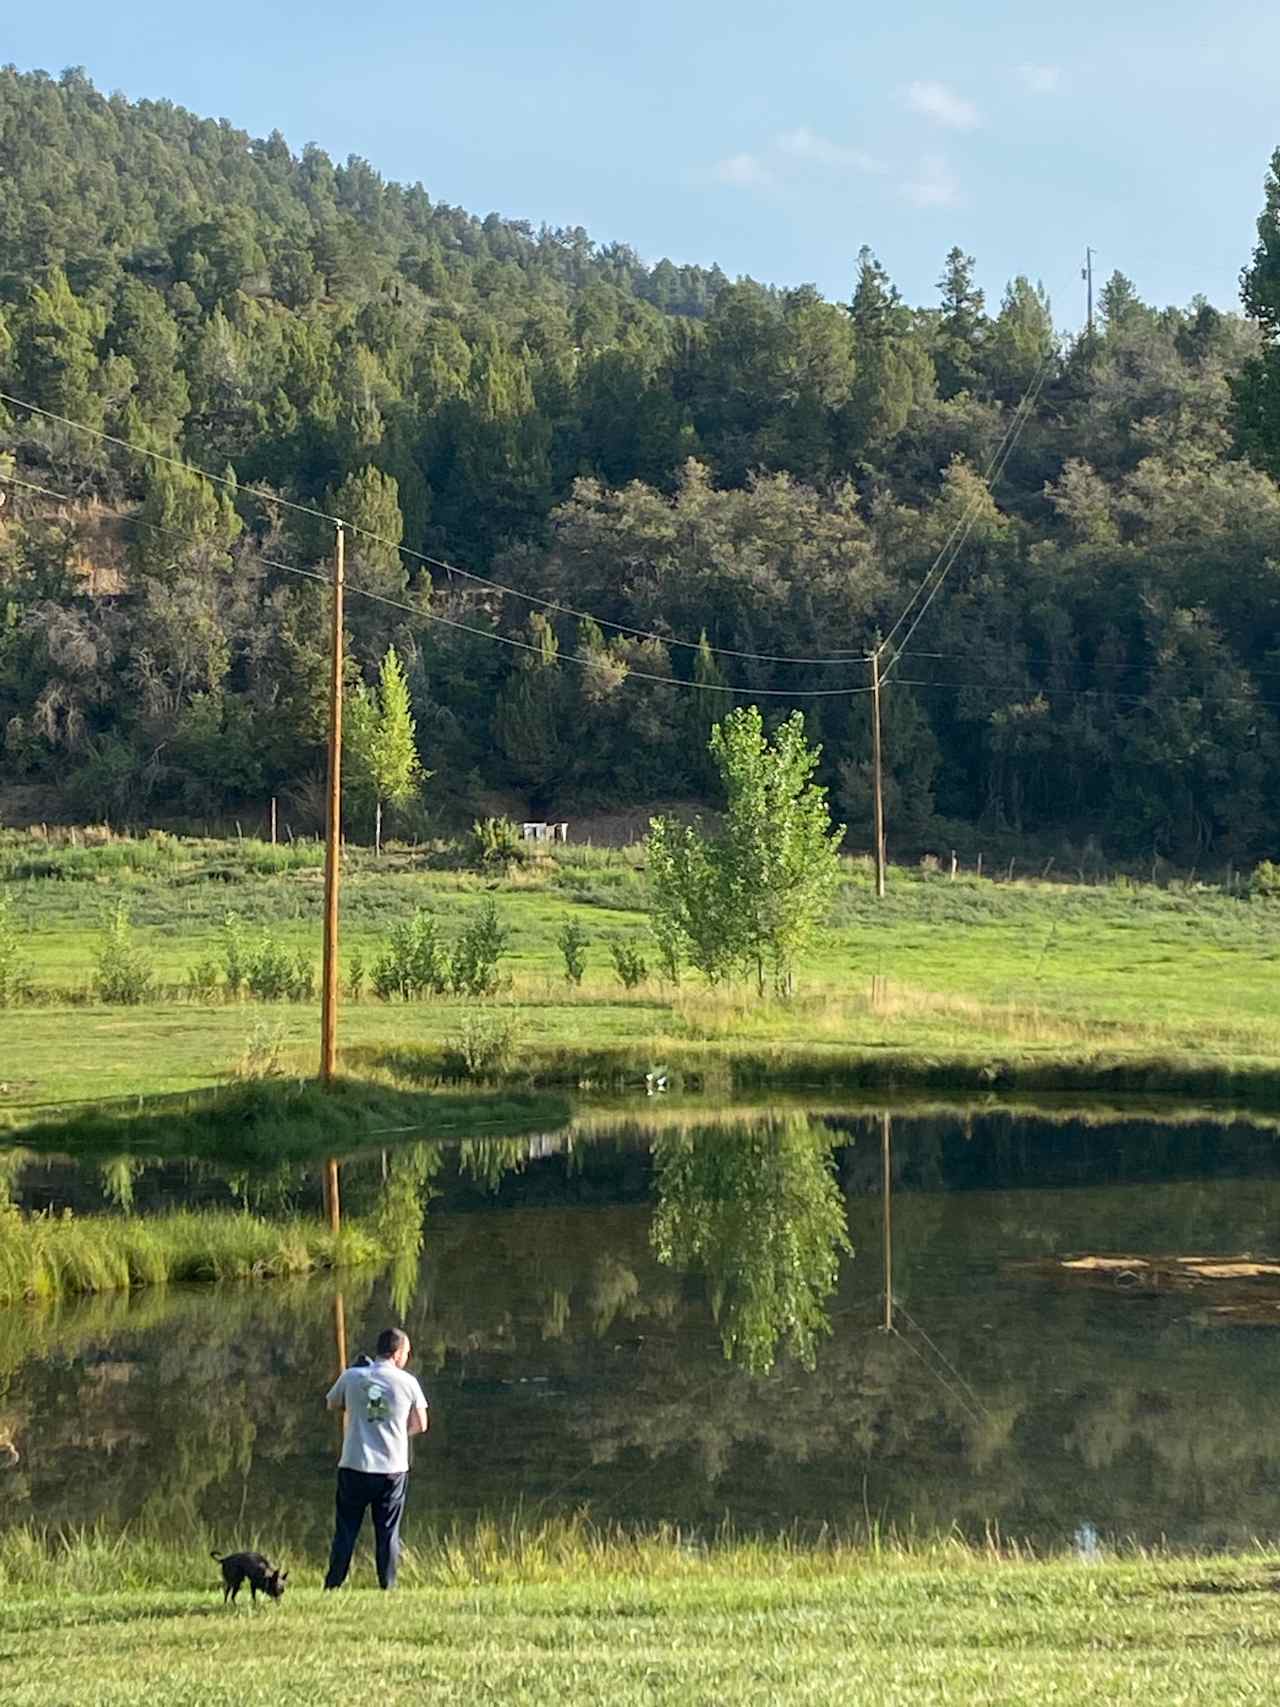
x: 839, y: 660
x: 1038, y: 660
x: 676, y: 681
x: 172, y: 461
x: 465, y: 627
x: 844, y: 660
x: 1096, y: 693
x: 1005, y: 449
x: 1021, y: 416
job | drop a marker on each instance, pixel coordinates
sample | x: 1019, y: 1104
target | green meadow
x: 973, y: 982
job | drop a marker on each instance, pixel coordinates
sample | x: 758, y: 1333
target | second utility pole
x: 877, y: 781
x: 333, y: 829
x: 332, y: 873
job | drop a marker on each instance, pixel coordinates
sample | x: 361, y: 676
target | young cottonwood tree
x: 749, y: 899
x: 381, y: 741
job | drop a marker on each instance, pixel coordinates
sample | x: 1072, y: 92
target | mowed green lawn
x: 973, y: 969
x: 872, y: 1633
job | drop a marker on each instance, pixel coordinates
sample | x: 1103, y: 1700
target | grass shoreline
x: 565, y: 1615
x: 971, y: 986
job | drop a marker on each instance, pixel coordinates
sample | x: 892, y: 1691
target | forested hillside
x: 673, y: 454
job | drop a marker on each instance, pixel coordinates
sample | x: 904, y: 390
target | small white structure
x: 535, y: 832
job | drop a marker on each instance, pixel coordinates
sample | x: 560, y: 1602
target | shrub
x: 234, y: 954
x: 496, y: 842
x: 202, y: 979
x: 414, y: 962
x: 356, y: 974
x: 302, y: 981
x: 628, y: 962
x: 483, y: 1045
x: 1266, y: 880
x: 123, y: 973
x: 478, y: 951
x: 15, y: 975
x: 269, y: 972
x: 572, y: 942
x: 262, y: 1056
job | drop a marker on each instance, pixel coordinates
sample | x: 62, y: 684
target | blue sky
x: 775, y: 139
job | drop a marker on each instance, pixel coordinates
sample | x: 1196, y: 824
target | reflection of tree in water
x: 565, y: 1355
x: 12, y: 1163
x: 118, y: 1174
x: 401, y: 1213
x: 758, y: 1210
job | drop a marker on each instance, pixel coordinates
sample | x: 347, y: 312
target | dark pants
x: 385, y: 1497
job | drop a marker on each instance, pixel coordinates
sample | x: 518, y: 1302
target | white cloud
x: 942, y: 105
x: 804, y: 145
x: 744, y: 171
x: 1040, y: 79
x: 935, y: 185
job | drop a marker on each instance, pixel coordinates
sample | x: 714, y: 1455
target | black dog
x: 238, y: 1568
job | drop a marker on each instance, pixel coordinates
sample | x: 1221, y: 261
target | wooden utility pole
x: 877, y: 777
x: 886, y: 1189
x: 333, y: 829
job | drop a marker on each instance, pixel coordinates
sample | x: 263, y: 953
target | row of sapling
x: 415, y: 962
x: 15, y: 968
x: 746, y: 900
x: 628, y: 961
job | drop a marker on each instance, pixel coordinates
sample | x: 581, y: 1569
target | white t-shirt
x: 377, y: 1400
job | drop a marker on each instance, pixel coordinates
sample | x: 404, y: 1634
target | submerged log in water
x: 1238, y: 1288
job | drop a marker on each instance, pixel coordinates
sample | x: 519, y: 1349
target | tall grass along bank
x: 564, y: 1617
x: 45, y: 1257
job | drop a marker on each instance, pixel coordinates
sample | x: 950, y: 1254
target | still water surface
x: 683, y: 1319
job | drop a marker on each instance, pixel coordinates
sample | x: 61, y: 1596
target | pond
x: 673, y: 1312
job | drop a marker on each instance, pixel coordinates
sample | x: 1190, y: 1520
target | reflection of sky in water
x: 570, y: 1366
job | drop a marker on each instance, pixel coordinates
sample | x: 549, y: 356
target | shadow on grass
x: 274, y: 1120
x: 1210, y: 1586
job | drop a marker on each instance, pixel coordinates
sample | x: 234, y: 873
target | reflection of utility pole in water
x: 340, y: 1329
x: 340, y: 1344
x: 886, y: 1193
x: 332, y: 1195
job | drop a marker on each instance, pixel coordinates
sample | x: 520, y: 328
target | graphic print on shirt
x: 377, y: 1403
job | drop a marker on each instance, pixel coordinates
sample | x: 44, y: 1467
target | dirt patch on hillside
x: 628, y: 824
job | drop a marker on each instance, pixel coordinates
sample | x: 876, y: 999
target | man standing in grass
x: 383, y: 1406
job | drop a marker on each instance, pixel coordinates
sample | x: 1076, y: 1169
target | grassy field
x: 1036, y: 984
x: 652, y: 1620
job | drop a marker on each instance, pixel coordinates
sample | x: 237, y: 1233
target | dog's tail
x: 216, y: 1557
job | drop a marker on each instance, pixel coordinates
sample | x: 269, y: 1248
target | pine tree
x: 962, y: 327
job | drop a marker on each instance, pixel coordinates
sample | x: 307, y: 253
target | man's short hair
x: 390, y: 1340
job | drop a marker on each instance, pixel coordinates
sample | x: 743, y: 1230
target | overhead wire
x: 1003, y: 449
x: 788, y: 694
x: 1094, y: 693
x: 1039, y: 661
x: 649, y: 676
x: 840, y: 660
x: 1021, y: 416
x: 450, y: 568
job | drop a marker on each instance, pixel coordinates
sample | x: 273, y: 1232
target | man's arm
x: 335, y: 1398
x: 419, y: 1420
